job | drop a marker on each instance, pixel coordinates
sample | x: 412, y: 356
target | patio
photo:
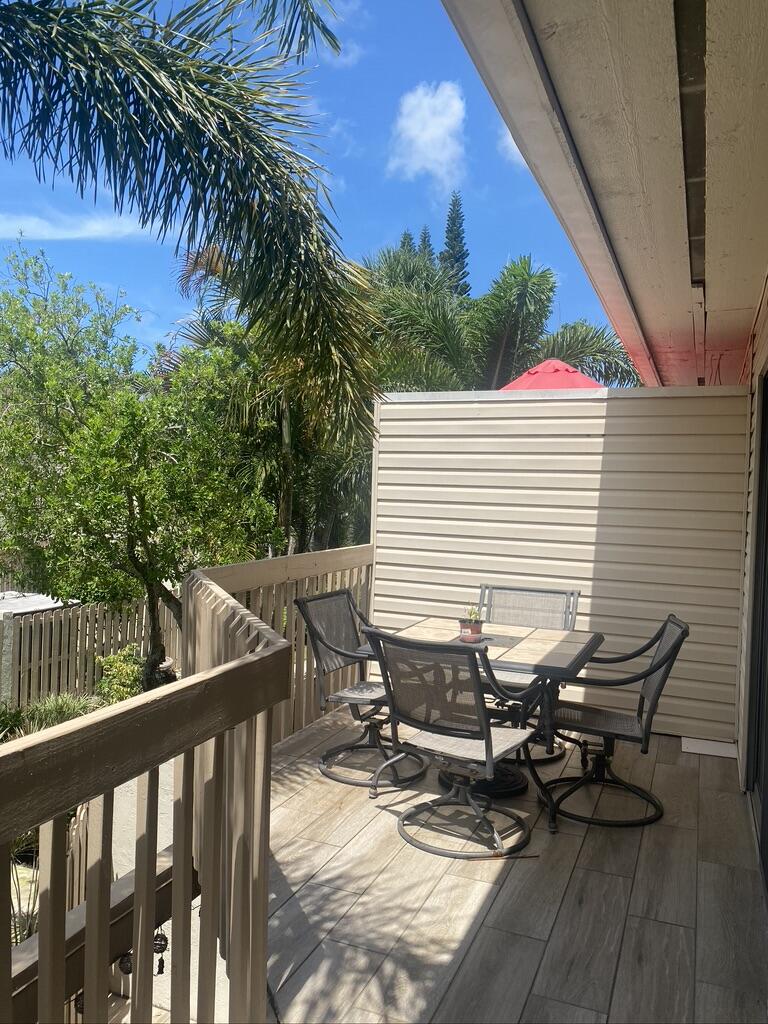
x: 665, y: 923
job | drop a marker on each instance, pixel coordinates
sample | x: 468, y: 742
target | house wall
x: 756, y: 365
x: 637, y: 498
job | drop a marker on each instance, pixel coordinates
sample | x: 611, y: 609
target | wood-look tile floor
x: 666, y: 923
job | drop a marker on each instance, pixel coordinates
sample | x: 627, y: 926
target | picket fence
x: 57, y: 651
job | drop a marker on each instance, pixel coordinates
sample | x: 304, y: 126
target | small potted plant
x: 471, y: 625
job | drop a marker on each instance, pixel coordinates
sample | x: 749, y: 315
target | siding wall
x: 637, y: 498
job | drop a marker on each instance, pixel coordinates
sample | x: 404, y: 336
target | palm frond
x: 512, y: 316
x: 300, y: 24
x: 195, y: 134
x: 594, y: 350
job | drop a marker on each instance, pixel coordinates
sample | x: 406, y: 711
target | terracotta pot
x: 470, y: 630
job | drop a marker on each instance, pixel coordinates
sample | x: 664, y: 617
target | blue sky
x: 404, y: 118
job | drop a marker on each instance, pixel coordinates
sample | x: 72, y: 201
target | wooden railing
x: 268, y: 588
x: 216, y: 723
x: 247, y: 680
x: 57, y: 651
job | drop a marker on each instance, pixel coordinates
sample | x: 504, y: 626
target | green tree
x: 425, y: 248
x: 594, y: 350
x: 431, y: 339
x: 407, y: 243
x: 512, y: 317
x: 116, y: 483
x: 195, y: 132
x: 455, y: 255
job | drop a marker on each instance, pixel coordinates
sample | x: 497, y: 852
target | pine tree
x: 425, y: 245
x: 407, y: 243
x: 455, y: 255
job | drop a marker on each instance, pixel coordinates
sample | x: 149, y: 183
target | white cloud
x: 508, y: 147
x: 351, y: 54
x: 428, y: 135
x: 62, y: 227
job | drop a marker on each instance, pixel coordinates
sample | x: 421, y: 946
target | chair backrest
x: 672, y: 636
x: 432, y: 686
x: 332, y: 619
x: 523, y: 606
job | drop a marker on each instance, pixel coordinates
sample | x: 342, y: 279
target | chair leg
x: 460, y: 795
x: 370, y: 739
x: 601, y: 773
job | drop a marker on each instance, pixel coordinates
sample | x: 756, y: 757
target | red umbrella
x: 551, y: 375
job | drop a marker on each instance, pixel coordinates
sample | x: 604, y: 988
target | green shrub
x: 121, y: 675
x: 55, y: 709
x: 11, y: 721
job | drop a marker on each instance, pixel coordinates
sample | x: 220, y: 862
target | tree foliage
x: 425, y: 247
x: 115, y: 484
x: 431, y: 339
x: 196, y: 133
x: 455, y: 255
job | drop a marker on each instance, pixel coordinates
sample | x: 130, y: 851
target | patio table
x: 552, y: 654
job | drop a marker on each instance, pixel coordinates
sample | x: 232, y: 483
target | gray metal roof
x: 15, y: 602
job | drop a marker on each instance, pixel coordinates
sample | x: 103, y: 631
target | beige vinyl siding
x: 636, y: 498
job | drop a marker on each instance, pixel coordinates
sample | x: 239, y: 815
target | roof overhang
x: 647, y: 129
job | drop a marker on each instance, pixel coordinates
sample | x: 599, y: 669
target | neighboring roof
x: 15, y: 603
x: 551, y: 375
x: 628, y: 115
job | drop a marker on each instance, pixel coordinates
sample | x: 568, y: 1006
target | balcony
x: 665, y: 923
x: 350, y: 923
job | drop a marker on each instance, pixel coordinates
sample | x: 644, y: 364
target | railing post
x: 97, y: 885
x: 260, y: 854
x: 6, y: 1010
x: 181, y: 893
x: 51, y: 920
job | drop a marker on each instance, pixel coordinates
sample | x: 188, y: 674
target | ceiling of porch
x: 647, y: 129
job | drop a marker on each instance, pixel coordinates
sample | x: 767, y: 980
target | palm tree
x: 196, y: 134
x: 594, y: 350
x: 430, y: 339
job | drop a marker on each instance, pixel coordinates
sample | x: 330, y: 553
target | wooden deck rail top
x: 45, y: 774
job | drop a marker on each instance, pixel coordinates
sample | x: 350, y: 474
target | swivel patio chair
x: 537, y: 608
x: 612, y: 726
x: 439, y: 689
x: 526, y: 606
x: 333, y: 626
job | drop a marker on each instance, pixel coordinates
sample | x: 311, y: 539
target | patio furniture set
x: 481, y: 707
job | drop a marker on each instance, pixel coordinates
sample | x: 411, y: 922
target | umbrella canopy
x: 551, y: 375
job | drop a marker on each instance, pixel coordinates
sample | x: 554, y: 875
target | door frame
x: 757, y: 721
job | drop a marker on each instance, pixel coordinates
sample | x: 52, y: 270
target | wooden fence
x: 57, y: 651
x: 268, y: 588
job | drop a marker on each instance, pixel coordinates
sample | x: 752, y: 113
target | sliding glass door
x: 757, y: 766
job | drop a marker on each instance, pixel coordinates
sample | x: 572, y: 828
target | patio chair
x: 612, y: 726
x: 439, y: 690
x: 526, y: 606
x: 333, y: 626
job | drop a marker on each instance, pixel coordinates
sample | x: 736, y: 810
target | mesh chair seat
x: 365, y: 692
x: 505, y: 742
x: 597, y: 721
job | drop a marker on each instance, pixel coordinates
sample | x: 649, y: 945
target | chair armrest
x: 527, y: 698
x: 617, y: 659
x: 591, y: 681
x: 356, y: 655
